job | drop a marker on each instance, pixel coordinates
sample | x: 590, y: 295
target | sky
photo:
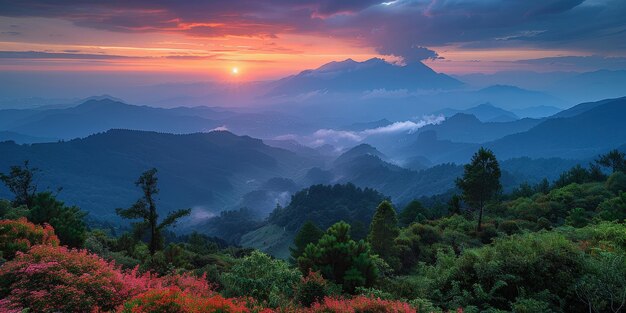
x: 258, y: 40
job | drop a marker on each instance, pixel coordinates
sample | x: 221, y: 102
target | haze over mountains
x: 365, y: 81
x: 333, y: 96
x: 402, y: 168
x: 403, y: 130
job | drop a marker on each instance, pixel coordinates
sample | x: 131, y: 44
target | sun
x: 234, y: 71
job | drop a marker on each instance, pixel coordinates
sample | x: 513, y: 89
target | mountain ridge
x: 352, y: 76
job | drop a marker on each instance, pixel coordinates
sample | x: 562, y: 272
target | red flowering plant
x: 175, y: 300
x: 198, y: 286
x: 360, y: 304
x: 311, y: 289
x: 136, y: 283
x: 20, y: 235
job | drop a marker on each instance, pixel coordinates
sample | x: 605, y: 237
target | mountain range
x: 203, y: 170
x: 580, y: 132
x: 464, y: 127
x: 351, y: 76
x: 485, y: 112
x: 365, y: 90
x: 246, y: 178
x: 99, y: 115
x: 585, y: 135
x: 366, y: 123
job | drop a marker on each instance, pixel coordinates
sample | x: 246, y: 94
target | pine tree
x: 384, y: 230
x: 145, y: 209
x: 481, y: 181
x: 309, y: 233
x: 340, y: 259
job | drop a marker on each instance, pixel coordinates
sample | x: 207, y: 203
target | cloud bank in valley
x: 332, y: 136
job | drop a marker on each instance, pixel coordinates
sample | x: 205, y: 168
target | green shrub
x: 509, y: 227
x: 492, y: 276
x: 261, y: 277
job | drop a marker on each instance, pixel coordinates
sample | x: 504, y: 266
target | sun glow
x: 234, y: 71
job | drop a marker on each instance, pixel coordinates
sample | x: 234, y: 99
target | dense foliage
x: 546, y: 247
x: 262, y: 278
x: 232, y: 224
x: 68, y: 221
x: 340, y: 259
x: 521, y: 267
x: 308, y: 233
x: 324, y: 205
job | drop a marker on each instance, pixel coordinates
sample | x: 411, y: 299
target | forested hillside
x: 204, y: 169
x: 547, y: 247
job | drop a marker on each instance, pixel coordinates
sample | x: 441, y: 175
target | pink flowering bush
x: 50, y: 278
x: 20, y: 235
x: 57, y: 279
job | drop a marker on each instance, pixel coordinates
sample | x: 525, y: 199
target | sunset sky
x: 270, y: 39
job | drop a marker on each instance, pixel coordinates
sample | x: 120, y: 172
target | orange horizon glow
x: 214, y: 57
x: 256, y: 58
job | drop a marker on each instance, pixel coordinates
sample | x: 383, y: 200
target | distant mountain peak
x: 358, y: 151
x: 485, y: 112
x: 364, y: 149
x: 462, y: 117
x: 100, y: 102
x: 485, y: 105
x: 348, y: 65
x: 102, y: 97
x: 337, y: 66
x: 376, y: 61
x: 502, y: 88
x: 353, y: 76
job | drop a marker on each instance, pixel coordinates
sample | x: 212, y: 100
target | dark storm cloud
x: 444, y: 22
x: 403, y: 28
